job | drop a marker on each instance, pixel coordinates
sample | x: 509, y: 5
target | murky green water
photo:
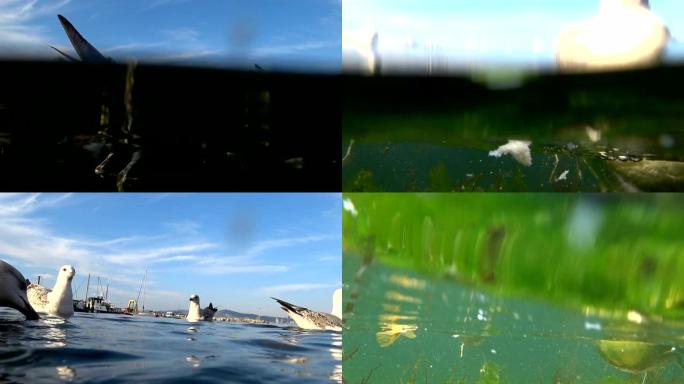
x: 512, y: 288
x: 601, y: 132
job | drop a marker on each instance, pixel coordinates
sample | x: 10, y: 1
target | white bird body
x: 308, y: 319
x: 59, y: 300
x: 194, y: 311
x: 623, y: 34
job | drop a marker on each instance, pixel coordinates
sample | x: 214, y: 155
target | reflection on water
x: 66, y: 373
x: 511, y: 288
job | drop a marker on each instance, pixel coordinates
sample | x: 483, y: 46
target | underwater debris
x: 593, y: 134
x: 519, y: 149
x: 348, y: 154
x: 563, y: 176
x: 295, y: 162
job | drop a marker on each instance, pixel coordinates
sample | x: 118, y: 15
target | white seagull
x: 13, y: 291
x: 59, y: 300
x: 308, y: 319
x: 194, y: 312
x: 623, y: 34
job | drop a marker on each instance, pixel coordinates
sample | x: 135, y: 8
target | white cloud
x: 280, y: 289
x: 288, y: 49
x: 160, y: 3
x: 19, y: 35
x: 183, y: 35
x: 31, y: 241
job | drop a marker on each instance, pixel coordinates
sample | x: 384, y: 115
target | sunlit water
x: 117, y: 348
x: 404, y: 327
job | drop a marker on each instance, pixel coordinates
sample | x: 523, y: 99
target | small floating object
x: 563, y: 176
x: 519, y: 149
x: 295, y: 162
x: 635, y: 356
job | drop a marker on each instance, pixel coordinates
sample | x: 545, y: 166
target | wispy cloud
x: 285, y: 288
x: 288, y: 49
x: 32, y: 238
x: 149, y: 5
x: 267, y: 245
x: 19, y: 34
x: 182, y: 35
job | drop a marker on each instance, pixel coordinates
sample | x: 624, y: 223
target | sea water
x: 110, y: 348
x: 605, y: 132
x: 406, y: 327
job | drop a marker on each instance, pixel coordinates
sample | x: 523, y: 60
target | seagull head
x: 194, y: 299
x: 66, y: 272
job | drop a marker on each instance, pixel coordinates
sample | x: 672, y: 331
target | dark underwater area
x: 186, y: 128
x: 613, y: 131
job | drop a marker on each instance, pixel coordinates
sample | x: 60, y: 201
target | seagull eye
x: 63, y: 269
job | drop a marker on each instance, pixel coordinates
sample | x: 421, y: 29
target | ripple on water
x: 101, y: 349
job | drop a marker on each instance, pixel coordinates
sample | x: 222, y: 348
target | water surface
x: 116, y: 348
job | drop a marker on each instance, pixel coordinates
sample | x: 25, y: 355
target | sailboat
x: 132, y: 307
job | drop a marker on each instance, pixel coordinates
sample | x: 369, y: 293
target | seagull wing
x: 38, y: 296
x: 69, y: 57
x: 309, y: 319
x: 85, y: 50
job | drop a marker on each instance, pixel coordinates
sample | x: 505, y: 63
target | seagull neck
x: 337, y: 304
x: 61, y: 291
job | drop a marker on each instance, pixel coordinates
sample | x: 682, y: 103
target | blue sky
x: 301, y: 34
x: 235, y: 250
x: 510, y: 32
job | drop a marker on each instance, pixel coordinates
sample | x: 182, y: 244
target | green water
x: 608, y: 132
x: 512, y: 288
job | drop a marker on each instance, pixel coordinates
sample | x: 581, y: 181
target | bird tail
x: 83, y: 48
x: 287, y: 307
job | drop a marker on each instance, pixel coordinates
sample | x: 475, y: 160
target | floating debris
x: 295, y: 162
x: 519, y: 149
x: 563, y: 176
x: 593, y: 134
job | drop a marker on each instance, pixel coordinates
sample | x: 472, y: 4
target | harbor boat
x: 79, y: 306
x: 132, y: 307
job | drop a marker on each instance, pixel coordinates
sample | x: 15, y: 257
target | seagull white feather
x: 308, y: 319
x: 57, y: 301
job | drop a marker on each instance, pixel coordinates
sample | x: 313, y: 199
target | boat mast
x: 137, y: 299
x: 144, y: 288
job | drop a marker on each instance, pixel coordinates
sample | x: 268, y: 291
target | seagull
x: 361, y: 54
x: 13, y: 291
x: 308, y: 319
x: 59, y: 300
x: 623, y: 34
x: 87, y: 53
x: 194, y: 312
x: 209, y: 312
